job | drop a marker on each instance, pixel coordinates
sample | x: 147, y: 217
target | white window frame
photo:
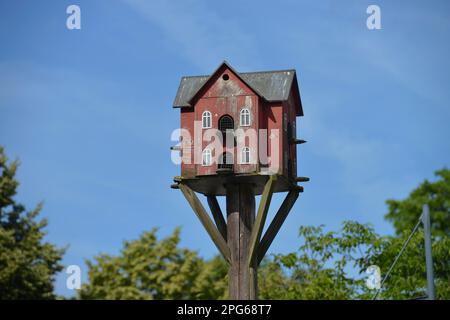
x: 245, y: 115
x: 206, y: 120
x: 244, y: 152
x: 206, y: 155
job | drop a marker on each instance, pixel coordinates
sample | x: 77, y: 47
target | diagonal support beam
x: 276, y: 223
x: 217, y: 215
x: 206, y: 221
x: 266, y: 197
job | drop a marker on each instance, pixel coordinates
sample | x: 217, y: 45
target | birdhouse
x: 238, y: 126
x: 237, y: 139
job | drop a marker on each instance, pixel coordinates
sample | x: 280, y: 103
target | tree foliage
x: 408, y: 278
x: 321, y: 268
x: 28, y: 264
x: 404, y: 213
x: 331, y: 265
x: 148, y: 268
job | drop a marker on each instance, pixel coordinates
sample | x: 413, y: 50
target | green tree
x: 28, y: 264
x: 408, y: 278
x: 331, y: 265
x: 148, y: 268
x: 404, y: 213
x: 152, y: 268
x: 321, y: 268
x: 273, y: 283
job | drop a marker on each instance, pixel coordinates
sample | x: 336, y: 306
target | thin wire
x: 398, y: 257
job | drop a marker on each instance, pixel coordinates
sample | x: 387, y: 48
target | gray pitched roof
x: 272, y: 85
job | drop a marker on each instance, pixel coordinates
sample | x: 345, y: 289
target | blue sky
x: 88, y: 112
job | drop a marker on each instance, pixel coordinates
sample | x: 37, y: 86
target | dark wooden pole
x: 240, y: 200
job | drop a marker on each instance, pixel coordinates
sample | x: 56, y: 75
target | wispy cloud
x: 65, y: 91
x: 407, y: 68
x: 201, y: 35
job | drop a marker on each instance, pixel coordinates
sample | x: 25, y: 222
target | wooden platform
x: 214, y: 185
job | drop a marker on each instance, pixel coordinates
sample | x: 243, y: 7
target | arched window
x: 206, y: 120
x: 245, y: 117
x: 225, y: 123
x: 245, y: 155
x: 206, y: 157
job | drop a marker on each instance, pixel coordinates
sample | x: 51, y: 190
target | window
x: 225, y: 123
x: 206, y: 157
x: 226, y: 161
x: 245, y: 117
x: 206, y: 120
x: 245, y: 155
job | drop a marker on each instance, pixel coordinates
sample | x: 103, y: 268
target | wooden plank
x: 233, y: 239
x: 266, y: 197
x: 247, y: 290
x: 217, y: 215
x: 206, y: 221
x: 298, y: 141
x: 241, y: 217
x: 253, y: 285
x: 276, y: 223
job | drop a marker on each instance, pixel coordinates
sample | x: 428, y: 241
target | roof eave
x: 297, y: 89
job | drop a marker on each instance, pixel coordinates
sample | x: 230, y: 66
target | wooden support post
x: 276, y: 223
x: 206, y: 221
x: 241, y: 216
x: 217, y: 215
x: 243, y: 248
x: 266, y: 197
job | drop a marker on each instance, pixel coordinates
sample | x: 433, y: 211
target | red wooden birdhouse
x: 238, y: 140
x: 238, y: 126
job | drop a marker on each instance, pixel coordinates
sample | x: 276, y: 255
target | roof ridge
x: 269, y: 71
x: 201, y: 76
x: 250, y: 72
